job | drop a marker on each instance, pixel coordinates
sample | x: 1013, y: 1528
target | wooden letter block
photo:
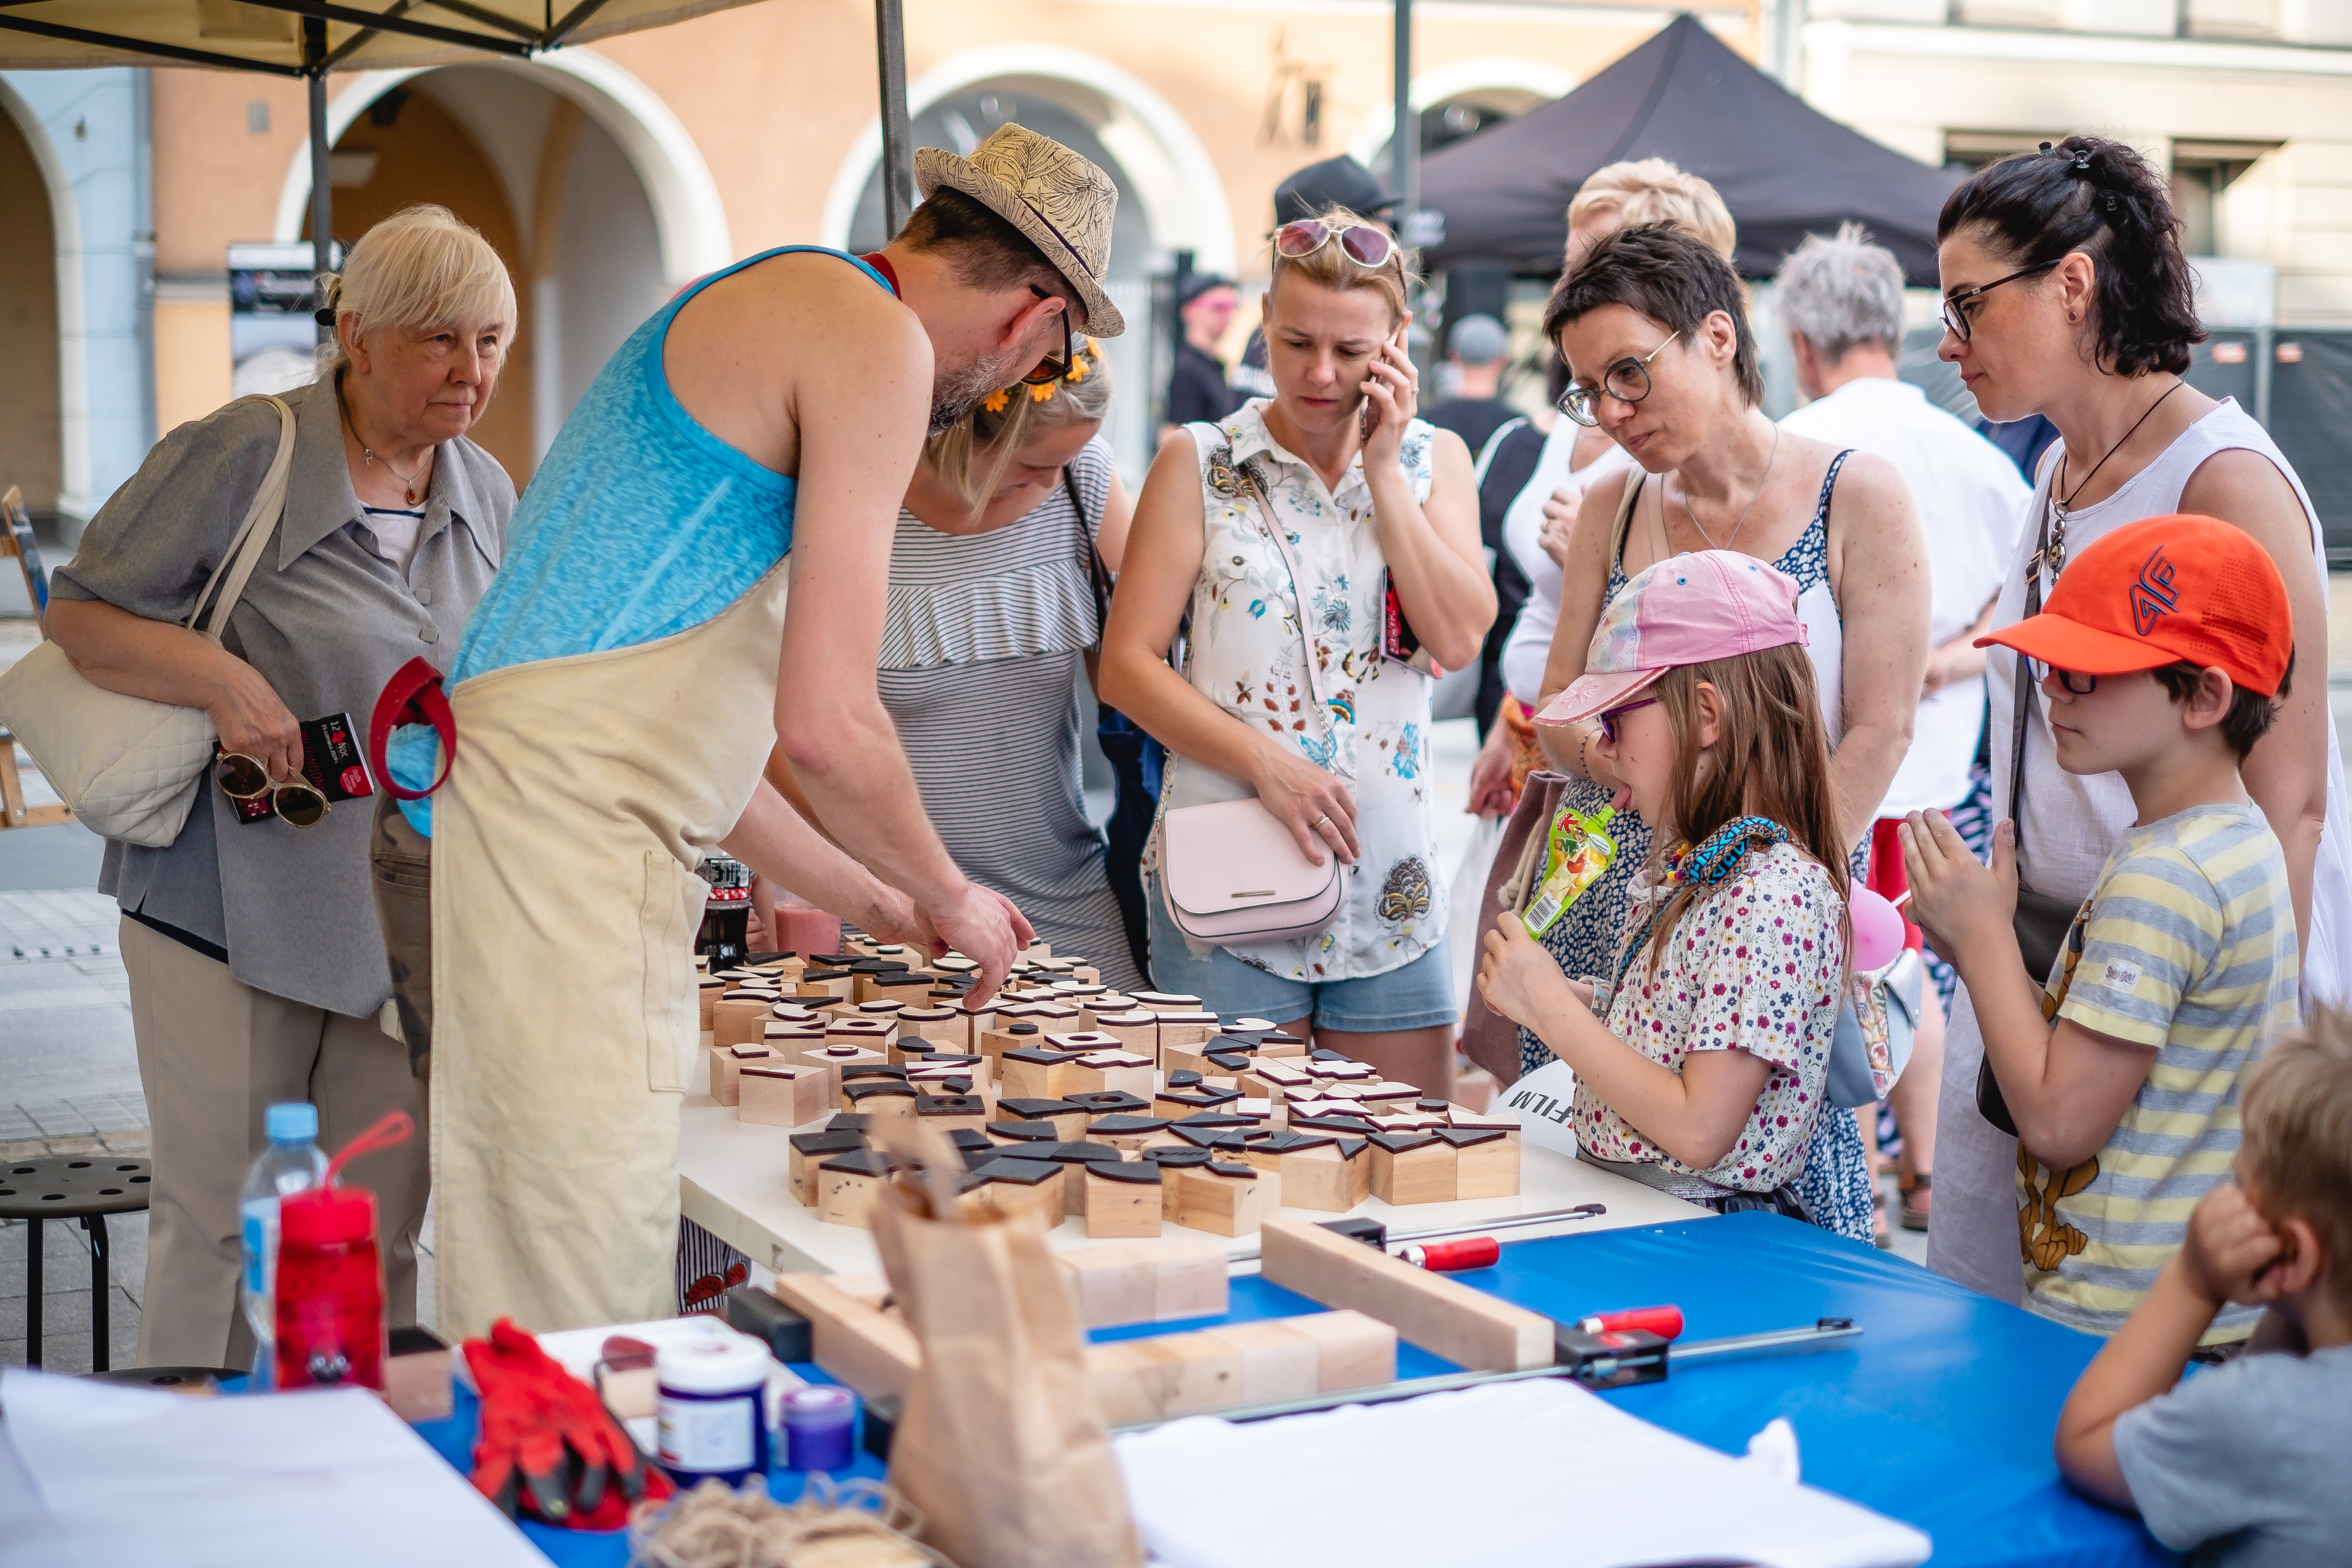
x: 811, y: 1150
x: 1486, y: 1163
x: 828, y: 985
x: 1275, y: 1081
x: 1352, y: 1350
x: 782, y: 1096
x: 1318, y: 1178
x: 709, y: 989
x: 1167, y: 1001
x: 943, y: 1027
x: 836, y: 1056
x: 739, y: 1016
x: 871, y: 1351
x: 1121, y: 1200
x: 1114, y: 1070
x: 849, y: 1187
x: 1010, y: 1035
x: 1412, y: 1168
x: 726, y: 1061
x: 1277, y: 1361
x: 1135, y: 1029
x: 874, y: 1033
x: 1225, y: 1199
x: 1186, y: 1028
x: 1469, y: 1328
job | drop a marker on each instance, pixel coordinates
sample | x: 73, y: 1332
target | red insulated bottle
x: 330, y: 1280
x: 330, y: 1291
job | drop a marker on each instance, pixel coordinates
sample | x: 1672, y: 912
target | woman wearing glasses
x: 2066, y: 294
x: 1366, y: 496
x: 252, y: 941
x: 1652, y: 324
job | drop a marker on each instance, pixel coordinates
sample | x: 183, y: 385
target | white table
x: 731, y: 1182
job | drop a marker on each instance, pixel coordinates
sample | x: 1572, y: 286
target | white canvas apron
x: 565, y: 904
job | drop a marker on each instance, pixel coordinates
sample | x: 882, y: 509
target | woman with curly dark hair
x: 2066, y: 294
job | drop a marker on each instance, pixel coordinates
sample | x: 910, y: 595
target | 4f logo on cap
x: 2153, y: 594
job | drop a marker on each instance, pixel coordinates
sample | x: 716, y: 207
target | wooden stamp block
x: 838, y: 1056
x: 1121, y: 1200
x: 739, y: 1017
x: 1036, y: 1072
x: 830, y: 985
x: 1225, y: 1199
x: 1412, y: 1168
x: 783, y: 1096
x: 1069, y: 1120
x: 848, y: 1187
x: 725, y: 1060
x: 1186, y: 1030
x: 876, y: 1097
x: 1116, y: 1071
x: 1469, y: 1328
x: 1010, y: 1035
x: 1275, y: 1080
x: 1389, y: 1097
x: 1319, y: 1177
x: 1173, y: 1163
x: 1486, y: 1163
x: 975, y: 1071
x: 1129, y: 1135
x: 1167, y: 1001
x: 810, y: 1150
x: 877, y: 1032
x: 1338, y: 1071
x: 1352, y: 1350
x: 1074, y: 1157
x: 951, y: 1112
x: 943, y: 1027
x: 794, y: 1023
x: 1135, y: 1029
x: 907, y: 987
x: 1277, y: 1361
x: 1282, y: 1048
x: 709, y: 988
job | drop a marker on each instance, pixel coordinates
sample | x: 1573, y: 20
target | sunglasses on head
x: 244, y: 778
x: 1609, y: 720
x: 1361, y: 243
x: 1051, y: 369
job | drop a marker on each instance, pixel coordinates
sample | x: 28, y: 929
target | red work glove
x: 548, y: 1448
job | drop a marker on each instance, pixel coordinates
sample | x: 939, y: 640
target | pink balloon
x: 1877, y: 930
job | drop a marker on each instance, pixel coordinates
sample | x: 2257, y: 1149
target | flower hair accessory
x: 1085, y: 358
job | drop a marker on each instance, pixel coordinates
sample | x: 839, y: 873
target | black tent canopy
x: 1785, y: 169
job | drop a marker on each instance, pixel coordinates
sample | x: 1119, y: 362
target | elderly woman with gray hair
x: 1841, y: 300
x: 256, y: 964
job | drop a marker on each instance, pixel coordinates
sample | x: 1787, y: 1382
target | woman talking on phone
x: 1293, y: 688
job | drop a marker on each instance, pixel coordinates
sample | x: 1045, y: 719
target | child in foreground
x: 1707, y: 1076
x: 2162, y: 653
x: 2243, y: 1464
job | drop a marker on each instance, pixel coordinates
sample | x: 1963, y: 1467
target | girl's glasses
x: 1957, y: 308
x: 244, y: 778
x: 1609, y: 720
x: 1627, y: 380
x: 1364, y: 245
x: 2078, y: 684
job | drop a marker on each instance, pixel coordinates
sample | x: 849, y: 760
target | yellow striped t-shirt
x: 2188, y: 946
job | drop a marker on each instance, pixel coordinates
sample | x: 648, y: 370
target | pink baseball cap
x: 1687, y: 609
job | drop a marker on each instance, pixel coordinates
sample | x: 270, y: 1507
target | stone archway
x: 32, y: 433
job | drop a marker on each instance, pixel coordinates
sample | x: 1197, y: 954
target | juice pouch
x: 1577, y: 851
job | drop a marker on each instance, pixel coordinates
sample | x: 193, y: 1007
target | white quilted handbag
x: 129, y: 768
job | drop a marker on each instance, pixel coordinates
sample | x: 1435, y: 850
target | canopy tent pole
x: 1404, y: 140
x: 898, y: 129
x: 322, y: 184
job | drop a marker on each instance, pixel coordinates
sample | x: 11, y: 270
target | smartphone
x: 1398, y: 642
x: 1367, y: 417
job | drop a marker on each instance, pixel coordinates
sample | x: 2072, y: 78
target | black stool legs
x: 95, y: 1225
x: 32, y: 1291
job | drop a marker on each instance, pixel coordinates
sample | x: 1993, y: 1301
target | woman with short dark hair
x: 1653, y: 325
x: 2066, y: 294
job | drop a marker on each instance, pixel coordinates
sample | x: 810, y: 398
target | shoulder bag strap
x: 1297, y: 594
x: 1623, y: 528
x: 2023, y: 695
x: 253, y: 535
x: 1494, y: 445
x: 1098, y: 576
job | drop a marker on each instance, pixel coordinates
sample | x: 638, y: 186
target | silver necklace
x: 1742, y: 523
x: 407, y: 481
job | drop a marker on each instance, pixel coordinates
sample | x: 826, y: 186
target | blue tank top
x: 639, y: 524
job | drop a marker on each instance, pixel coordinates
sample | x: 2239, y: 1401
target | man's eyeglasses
x: 1627, y: 380
x: 1050, y: 370
x: 1957, y: 307
x: 1364, y: 245
x: 2078, y: 684
x: 1609, y: 720
x: 244, y: 778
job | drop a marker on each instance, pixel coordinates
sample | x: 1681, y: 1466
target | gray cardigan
x: 326, y: 620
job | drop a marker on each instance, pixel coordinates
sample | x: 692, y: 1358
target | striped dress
x: 980, y: 666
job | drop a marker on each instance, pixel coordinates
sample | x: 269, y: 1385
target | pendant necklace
x: 2056, y: 556
x: 1734, y: 537
x: 407, y: 481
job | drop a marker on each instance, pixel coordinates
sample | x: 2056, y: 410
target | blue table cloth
x: 1940, y: 1414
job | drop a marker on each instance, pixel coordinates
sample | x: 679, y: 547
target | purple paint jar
x: 818, y: 1423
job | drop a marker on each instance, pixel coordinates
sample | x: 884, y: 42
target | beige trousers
x: 214, y: 1055
x: 584, y: 792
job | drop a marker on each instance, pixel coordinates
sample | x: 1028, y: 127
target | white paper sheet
x: 1390, y: 1485
x: 138, y: 1475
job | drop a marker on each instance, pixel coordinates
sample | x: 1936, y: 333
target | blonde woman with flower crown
x: 1014, y: 522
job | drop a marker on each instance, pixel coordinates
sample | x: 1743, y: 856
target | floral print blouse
x: 1244, y: 652
x: 1755, y: 965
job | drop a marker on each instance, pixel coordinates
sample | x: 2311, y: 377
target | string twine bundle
x: 857, y: 1524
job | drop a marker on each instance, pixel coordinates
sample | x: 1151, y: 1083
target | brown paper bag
x: 1002, y: 1445
x: 1489, y: 1039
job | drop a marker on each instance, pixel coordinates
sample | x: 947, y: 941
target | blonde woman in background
x: 1000, y: 577
x: 255, y: 958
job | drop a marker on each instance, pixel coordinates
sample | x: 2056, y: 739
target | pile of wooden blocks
x: 860, y: 1338
x: 1066, y: 1099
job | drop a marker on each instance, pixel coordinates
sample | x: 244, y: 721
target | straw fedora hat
x: 1060, y: 200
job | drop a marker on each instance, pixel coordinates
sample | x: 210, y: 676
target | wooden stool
x: 87, y: 1187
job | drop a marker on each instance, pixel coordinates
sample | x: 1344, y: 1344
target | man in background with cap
x: 1197, y: 392
x: 620, y: 689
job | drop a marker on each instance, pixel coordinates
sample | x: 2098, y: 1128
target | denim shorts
x: 1417, y: 994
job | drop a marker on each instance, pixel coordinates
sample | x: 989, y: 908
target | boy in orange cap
x: 2160, y: 657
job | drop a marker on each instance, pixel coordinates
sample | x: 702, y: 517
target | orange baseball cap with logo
x: 2166, y: 590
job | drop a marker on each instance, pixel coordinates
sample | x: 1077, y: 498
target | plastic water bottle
x: 292, y: 1163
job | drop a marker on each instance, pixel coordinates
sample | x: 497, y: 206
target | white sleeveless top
x: 1243, y: 653
x: 2072, y: 821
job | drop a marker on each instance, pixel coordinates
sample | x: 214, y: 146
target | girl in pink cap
x: 1700, y: 1057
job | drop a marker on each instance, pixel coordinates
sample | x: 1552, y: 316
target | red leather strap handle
x: 413, y: 696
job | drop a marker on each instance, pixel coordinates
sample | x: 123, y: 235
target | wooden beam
x: 871, y: 1351
x: 1469, y: 1328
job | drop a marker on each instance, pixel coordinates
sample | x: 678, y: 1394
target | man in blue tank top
x: 698, y: 576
